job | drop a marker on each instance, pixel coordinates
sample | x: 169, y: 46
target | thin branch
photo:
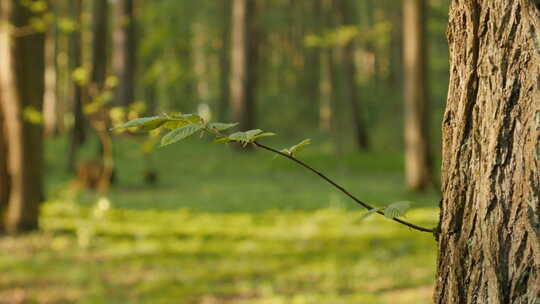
x: 363, y: 204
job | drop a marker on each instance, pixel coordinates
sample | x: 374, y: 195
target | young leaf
x: 298, y: 147
x: 143, y: 122
x: 221, y: 126
x: 266, y: 134
x: 252, y: 133
x: 239, y: 136
x: 180, y: 133
x: 368, y: 213
x: 396, y: 209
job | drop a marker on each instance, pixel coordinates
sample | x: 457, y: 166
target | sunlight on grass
x: 181, y: 256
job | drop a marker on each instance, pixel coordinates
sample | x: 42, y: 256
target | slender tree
x: 4, y: 177
x: 418, y: 173
x: 124, y: 51
x: 345, y: 11
x: 489, y: 243
x: 224, y: 61
x: 100, y: 25
x: 51, y: 117
x: 244, y: 57
x: 21, y: 88
x: 78, y: 132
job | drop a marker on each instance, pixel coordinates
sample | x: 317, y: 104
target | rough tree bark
x: 244, y: 53
x: 489, y: 243
x: 345, y: 13
x: 124, y: 52
x: 21, y: 88
x: 418, y: 172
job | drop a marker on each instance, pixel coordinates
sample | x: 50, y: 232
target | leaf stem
x: 340, y: 188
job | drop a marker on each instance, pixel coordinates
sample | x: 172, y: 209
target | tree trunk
x: 78, y: 133
x: 489, y: 243
x: 344, y: 12
x: 416, y: 110
x: 224, y: 64
x: 124, y: 52
x: 22, y: 86
x: 4, y: 177
x: 312, y: 63
x: 50, y: 102
x: 244, y: 53
x: 100, y: 17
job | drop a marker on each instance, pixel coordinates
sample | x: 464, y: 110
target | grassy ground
x: 224, y: 228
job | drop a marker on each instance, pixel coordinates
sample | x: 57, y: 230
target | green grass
x: 224, y: 227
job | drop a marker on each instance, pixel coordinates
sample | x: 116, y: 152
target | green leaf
x: 266, y: 134
x: 297, y: 148
x: 180, y: 133
x: 368, y: 213
x: 191, y: 118
x: 239, y: 136
x: 252, y: 133
x: 220, y: 126
x: 143, y: 122
x: 175, y: 124
x: 396, y: 209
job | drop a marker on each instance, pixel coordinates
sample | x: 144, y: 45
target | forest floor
x: 224, y: 227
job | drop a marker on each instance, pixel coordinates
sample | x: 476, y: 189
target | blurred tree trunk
x: 78, y: 133
x: 51, y: 117
x: 100, y: 25
x: 124, y: 51
x: 224, y: 65
x: 396, y: 47
x: 4, y: 178
x: 418, y: 173
x: 312, y: 65
x: 100, y: 120
x: 200, y: 64
x: 345, y: 13
x: 489, y: 243
x: 22, y: 86
x: 244, y: 56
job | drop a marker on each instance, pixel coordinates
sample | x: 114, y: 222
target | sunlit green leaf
x: 180, y: 133
x: 143, y: 122
x: 396, y: 209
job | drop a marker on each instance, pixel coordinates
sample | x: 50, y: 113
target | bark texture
x: 416, y: 108
x: 489, y: 243
x: 244, y: 56
x: 22, y: 88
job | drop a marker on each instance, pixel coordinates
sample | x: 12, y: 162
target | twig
x: 354, y: 198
